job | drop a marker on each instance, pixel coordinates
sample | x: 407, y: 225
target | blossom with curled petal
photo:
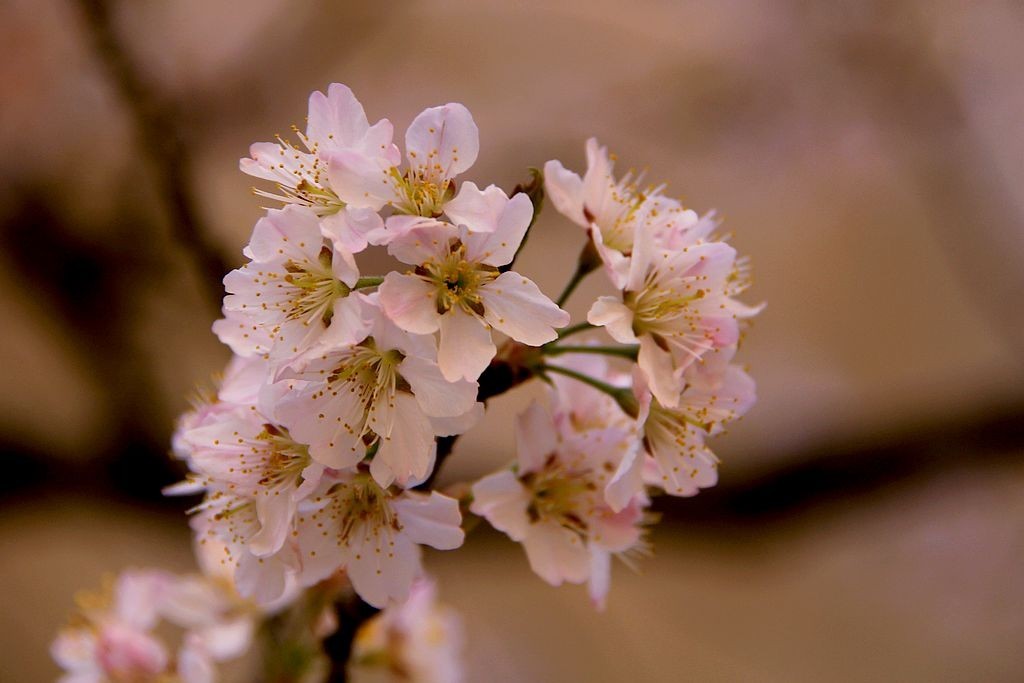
x: 458, y: 289
x: 678, y: 459
x: 295, y: 292
x: 373, y: 533
x: 336, y: 122
x: 384, y: 392
x: 554, y: 502
x: 417, y: 641
x: 613, y: 210
x: 676, y: 305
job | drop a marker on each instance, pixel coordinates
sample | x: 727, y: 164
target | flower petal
x: 409, y: 302
x: 498, y: 247
x: 517, y: 307
x: 442, y: 142
x: 465, y: 347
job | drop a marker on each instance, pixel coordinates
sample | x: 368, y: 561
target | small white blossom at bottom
x: 554, y: 503
x: 373, y: 533
x: 418, y: 641
x: 117, y: 634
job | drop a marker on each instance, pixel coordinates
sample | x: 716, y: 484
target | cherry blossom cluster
x: 316, y: 455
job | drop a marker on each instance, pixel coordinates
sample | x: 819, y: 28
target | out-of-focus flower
x: 458, y: 289
x: 381, y: 392
x: 113, y: 637
x: 554, y: 503
x: 418, y: 641
x: 373, y: 533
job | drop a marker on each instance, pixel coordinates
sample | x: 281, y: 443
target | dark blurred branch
x: 161, y: 137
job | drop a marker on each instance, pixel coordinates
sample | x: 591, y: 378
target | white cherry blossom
x: 374, y: 534
x: 295, y: 292
x: 554, y: 502
x: 379, y: 393
x: 458, y: 289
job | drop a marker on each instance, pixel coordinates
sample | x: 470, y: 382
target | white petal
x: 437, y: 396
x: 565, y: 190
x: 415, y: 239
x: 361, y: 180
x: 465, y: 347
x: 289, y: 233
x: 410, y: 303
x: 517, y: 307
x: 479, y: 210
x: 450, y: 426
x: 274, y: 511
x: 498, y: 246
x: 503, y: 501
x: 610, y: 313
x: 336, y: 118
x: 442, y: 142
x: 407, y: 451
x: 261, y: 579
x: 627, y: 480
x: 430, y: 520
x: 351, y: 230
x: 556, y: 554
x: 535, y: 437
x: 664, y: 382
x: 600, y: 576
x: 381, y: 564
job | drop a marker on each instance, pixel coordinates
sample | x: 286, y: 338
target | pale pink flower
x: 374, y: 534
x: 554, y: 502
x: 385, y: 392
x: 677, y: 458
x: 676, y: 306
x: 612, y: 210
x: 295, y: 293
x: 336, y: 122
x: 441, y: 143
x: 458, y: 289
x: 417, y: 641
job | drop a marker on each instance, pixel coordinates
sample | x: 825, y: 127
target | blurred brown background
x: 869, y: 524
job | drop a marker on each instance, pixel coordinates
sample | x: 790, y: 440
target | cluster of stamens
x: 457, y: 281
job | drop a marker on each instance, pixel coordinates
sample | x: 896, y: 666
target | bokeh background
x: 869, y: 156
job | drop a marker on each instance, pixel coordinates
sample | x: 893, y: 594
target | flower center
x: 361, y: 501
x: 372, y: 377
x: 421, y: 194
x: 314, y: 290
x: 457, y: 280
x: 559, y: 495
x: 287, y: 459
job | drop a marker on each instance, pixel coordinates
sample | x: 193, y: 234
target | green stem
x: 570, y: 286
x: 622, y: 395
x: 629, y: 352
x: 573, y: 329
x: 371, y: 281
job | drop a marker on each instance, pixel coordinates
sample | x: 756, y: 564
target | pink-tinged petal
x: 274, y: 510
x: 243, y: 379
x: 644, y: 256
x: 556, y: 554
x: 460, y: 424
x: 442, y: 142
x: 430, y: 519
x: 410, y: 303
x: 243, y: 335
x: 600, y: 577
x: 627, y: 480
x: 536, y: 438
x: 684, y: 466
x: 616, y: 266
x: 415, y: 239
x: 321, y: 553
x: 335, y: 119
x: 498, y: 247
x: 327, y: 423
x: 74, y: 650
x: 350, y: 322
x: 664, y: 382
x: 613, y: 315
x: 128, y: 652
x: 261, y: 579
x: 407, y: 450
x: 437, y: 396
x: 351, y: 230
x: 194, y: 662
x: 271, y: 161
x: 565, y: 190
x: 361, y: 180
x: 226, y: 640
x: 502, y: 500
x: 479, y: 210
x: 465, y: 347
x: 620, y: 531
x: 139, y: 597
x: 289, y: 233
x: 381, y: 564
x: 517, y: 307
